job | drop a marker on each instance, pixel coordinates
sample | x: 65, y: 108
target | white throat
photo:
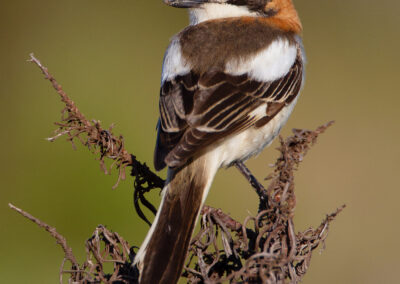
x: 213, y: 11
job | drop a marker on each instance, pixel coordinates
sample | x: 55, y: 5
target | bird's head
x: 203, y: 10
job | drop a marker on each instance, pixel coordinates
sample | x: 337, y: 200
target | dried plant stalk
x: 102, y: 142
x: 90, y: 133
x: 265, y: 249
x: 261, y: 249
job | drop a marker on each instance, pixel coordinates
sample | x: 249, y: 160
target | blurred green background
x: 108, y: 54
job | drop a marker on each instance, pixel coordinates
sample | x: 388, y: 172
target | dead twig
x: 262, y: 249
x: 104, y: 246
x: 259, y: 188
x: 53, y: 232
x: 269, y: 251
x: 74, y: 124
x: 102, y: 142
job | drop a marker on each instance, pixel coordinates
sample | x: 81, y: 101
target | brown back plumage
x: 196, y: 111
x: 209, y: 45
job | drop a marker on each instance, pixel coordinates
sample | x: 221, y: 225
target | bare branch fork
x: 262, y: 249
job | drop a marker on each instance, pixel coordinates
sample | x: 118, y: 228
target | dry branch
x: 53, y: 232
x: 265, y: 249
x: 261, y: 249
x: 74, y: 125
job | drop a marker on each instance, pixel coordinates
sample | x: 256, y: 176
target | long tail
x: 161, y: 256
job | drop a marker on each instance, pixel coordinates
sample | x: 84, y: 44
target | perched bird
x: 229, y: 83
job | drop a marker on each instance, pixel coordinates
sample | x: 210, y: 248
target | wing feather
x: 197, y: 110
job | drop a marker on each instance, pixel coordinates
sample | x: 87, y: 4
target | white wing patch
x: 268, y: 65
x: 174, y: 64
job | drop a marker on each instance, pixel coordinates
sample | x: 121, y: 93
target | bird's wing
x: 197, y: 110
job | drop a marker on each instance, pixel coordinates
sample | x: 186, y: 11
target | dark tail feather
x: 162, y: 255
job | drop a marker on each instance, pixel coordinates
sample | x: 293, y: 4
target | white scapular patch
x: 174, y: 64
x: 267, y: 65
x: 213, y: 11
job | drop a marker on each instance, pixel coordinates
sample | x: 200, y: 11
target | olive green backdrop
x: 108, y: 54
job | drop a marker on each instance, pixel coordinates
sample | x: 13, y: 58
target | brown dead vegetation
x: 262, y: 249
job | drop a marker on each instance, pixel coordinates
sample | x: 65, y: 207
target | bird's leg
x: 260, y: 190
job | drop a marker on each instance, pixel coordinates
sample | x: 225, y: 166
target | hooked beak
x: 190, y: 3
